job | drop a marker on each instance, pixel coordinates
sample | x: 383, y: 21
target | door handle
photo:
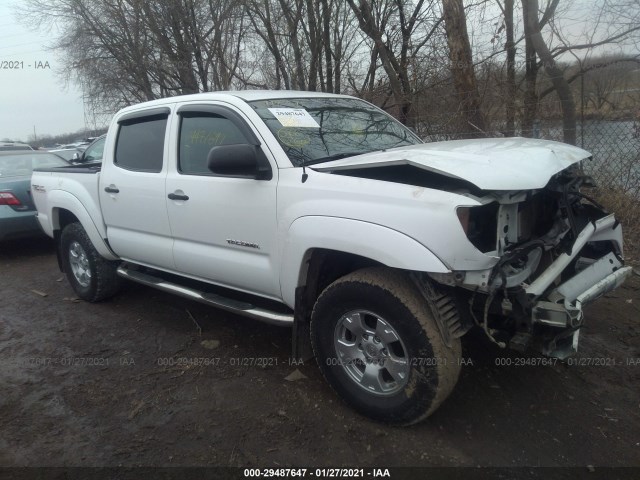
x: 111, y: 189
x: 175, y: 196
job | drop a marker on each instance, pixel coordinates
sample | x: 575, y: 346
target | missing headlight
x: 480, y: 224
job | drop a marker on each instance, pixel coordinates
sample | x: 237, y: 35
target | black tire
x: 382, y: 298
x: 98, y: 280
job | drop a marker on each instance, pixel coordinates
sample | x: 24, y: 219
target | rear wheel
x: 377, y: 344
x: 92, y: 277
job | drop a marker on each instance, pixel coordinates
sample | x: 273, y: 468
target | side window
x: 140, y: 144
x: 199, y: 133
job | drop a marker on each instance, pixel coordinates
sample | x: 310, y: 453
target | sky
x: 34, y: 97
x: 31, y: 96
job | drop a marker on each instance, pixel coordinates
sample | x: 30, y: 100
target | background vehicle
x: 67, y: 153
x: 17, y: 211
x: 80, y: 145
x: 93, y: 153
x: 323, y: 213
x: 13, y: 146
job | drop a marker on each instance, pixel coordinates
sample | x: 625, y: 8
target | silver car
x: 13, y: 146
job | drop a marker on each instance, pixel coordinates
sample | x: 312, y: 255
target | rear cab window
x: 140, y: 142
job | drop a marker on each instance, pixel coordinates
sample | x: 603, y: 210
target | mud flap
x: 301, y: 333
x: 56, y: 238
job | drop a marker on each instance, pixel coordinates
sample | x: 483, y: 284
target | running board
x: 241, y: 308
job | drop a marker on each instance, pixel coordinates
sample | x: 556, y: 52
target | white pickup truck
x: 323, y: 213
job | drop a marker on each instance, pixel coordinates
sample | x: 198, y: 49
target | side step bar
x: 241, y: 308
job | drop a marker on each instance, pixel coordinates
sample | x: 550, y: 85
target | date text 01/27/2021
x: 317, y: 472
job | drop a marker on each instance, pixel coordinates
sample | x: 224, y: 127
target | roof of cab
x: 246, y: 95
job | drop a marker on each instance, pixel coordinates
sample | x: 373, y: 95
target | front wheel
x: 92, y: 277
x: 378, y: 345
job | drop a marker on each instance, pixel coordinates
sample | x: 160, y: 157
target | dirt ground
x: 132, y: 381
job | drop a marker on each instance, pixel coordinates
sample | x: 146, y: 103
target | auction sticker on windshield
x: 294, y: 117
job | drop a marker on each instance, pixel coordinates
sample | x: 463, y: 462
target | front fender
x: 384, y: 245
x: 60, y: 200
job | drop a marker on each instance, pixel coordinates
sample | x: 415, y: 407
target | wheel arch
x: 312, y: 243
x: 70, y: 210
x: 321, y: 267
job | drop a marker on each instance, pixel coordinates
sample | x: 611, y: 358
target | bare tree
x: 555, y: 73
x: 126, y: 51
x: 462, y: 69
x: 400, y: 54
x: 398, y: 31
x: 606, y: 80
x: 310, y: 42
x: 510, y: 49
x: 614, y: 22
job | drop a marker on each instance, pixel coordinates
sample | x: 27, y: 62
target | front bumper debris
x: 565, y: 309
x: 562, y: 308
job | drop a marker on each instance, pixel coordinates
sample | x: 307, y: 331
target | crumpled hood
x: 489, y: 164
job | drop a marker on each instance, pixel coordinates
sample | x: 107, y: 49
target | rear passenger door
x: 224, y: 228
x: 132, y: 189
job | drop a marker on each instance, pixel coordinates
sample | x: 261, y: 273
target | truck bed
x: 74, y: 188
x: 72, y: 169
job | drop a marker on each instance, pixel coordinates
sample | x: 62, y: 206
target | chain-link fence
x: 615, y: 147
x: 615, y: 164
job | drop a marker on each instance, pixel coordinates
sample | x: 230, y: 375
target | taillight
x: 8, y: 198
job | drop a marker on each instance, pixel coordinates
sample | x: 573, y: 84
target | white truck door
x: 224, y: 226
x: 132, y: 189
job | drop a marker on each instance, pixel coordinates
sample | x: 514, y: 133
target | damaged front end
x: 557, y: 251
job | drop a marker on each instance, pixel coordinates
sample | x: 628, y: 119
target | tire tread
x: 400, y: 286
x: 107, y: 281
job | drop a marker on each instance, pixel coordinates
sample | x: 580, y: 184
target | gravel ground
x: 149, y: 379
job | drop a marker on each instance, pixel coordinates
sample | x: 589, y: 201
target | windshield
x: 23, y: 164
x: 315, y: 130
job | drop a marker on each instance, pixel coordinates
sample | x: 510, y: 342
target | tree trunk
x: 315, y: 45
x: 260, y: 9
x: 326, y: 39
x: 464, y: 78
x: 555, y: 74
x: 510, y: 47
x: 389, y: 62
x: 531, y: 77
x: 293, y: 18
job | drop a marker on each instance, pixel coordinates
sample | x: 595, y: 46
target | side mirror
x: 240, y: 161
x: 75, y: 157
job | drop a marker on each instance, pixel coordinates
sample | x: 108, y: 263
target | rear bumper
x: 18, y: 224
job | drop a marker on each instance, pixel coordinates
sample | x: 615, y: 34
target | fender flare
x: 384, y: 245
x: 61, y: 200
